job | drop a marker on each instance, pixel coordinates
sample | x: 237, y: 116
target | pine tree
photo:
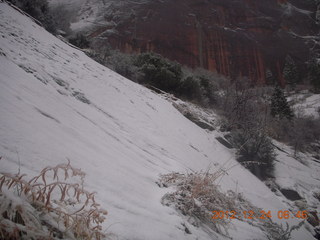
x: 269, y: 77
x: 279, y: 105
x: 314, y: 74
x: 290, y: 72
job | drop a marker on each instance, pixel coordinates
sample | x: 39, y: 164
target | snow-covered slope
x: 58, y: 104
x: 89, y: 14
x: 306, y: 104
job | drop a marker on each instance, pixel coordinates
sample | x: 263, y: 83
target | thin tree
x: 279, y: 105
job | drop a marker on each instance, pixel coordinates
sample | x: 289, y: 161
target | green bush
x: 123, y: 64
x: 190, y: 89
x: 159, y: 72
x: 39, y: 10
x: 80, y: 41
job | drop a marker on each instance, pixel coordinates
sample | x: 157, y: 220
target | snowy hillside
x: 94, y: 13
x: 58, y: 104
x: 306, y: 104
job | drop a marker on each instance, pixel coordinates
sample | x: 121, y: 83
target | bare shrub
x: 278, y: 232
x: 246, y: 112
x: 302, y: 133
x: 255, y: 151
x: 243, y: 105
x: 52, y: 205
x: 197, y: 195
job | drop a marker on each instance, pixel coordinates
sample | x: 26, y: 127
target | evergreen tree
x: 279, y: 105
x: 269, y: 77
x: 208, y: 90
x: 290, y: 72
x: 314, y: 74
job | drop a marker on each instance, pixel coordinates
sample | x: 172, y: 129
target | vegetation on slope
x: 51, y: 205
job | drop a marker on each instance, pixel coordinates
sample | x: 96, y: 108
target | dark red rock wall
x: 236, y: 38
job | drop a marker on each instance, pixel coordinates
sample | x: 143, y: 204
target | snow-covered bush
x: 197, y: 196
x: 51, y: 205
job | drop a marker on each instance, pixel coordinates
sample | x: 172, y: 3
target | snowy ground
x: 306, y: 104
x: 94, y: 13
x: 58, y: 104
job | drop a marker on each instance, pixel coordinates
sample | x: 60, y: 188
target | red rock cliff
x: 235, y: 38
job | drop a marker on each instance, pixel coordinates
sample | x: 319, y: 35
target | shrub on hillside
x: 198, y: 198
x: 159, y: 72
x: 211, y: 84
x: 62, y: 18
x: 197, y: 195
x: 80, y: 41
x: 200, y: 86
x: 255, y: 152
x: 39, y: 10
x: 189, y: 89
x: 52, y: 205
x: 246, y: 112
x: 243, y: 106
x: 208, y: 90
x: 302, y: 133
x: 123, y: 64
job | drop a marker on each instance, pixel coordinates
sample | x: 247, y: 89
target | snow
x: 87, y: 13
x: 71, y: 3
x: 91, y: 14
x: 306, y: 104
x: 58, y: 104
x: 291, y: 174
x: 291, y: 8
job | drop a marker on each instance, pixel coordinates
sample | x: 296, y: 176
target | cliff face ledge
x: 233, y: 37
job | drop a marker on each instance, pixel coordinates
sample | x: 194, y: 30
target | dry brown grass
x: 51, y: 205
x: 196, y: 195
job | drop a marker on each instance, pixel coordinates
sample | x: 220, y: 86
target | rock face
x: 236, y: 38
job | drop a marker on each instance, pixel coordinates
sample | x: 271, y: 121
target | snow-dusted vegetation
x: 58, y: 105
x: 52, y: 205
